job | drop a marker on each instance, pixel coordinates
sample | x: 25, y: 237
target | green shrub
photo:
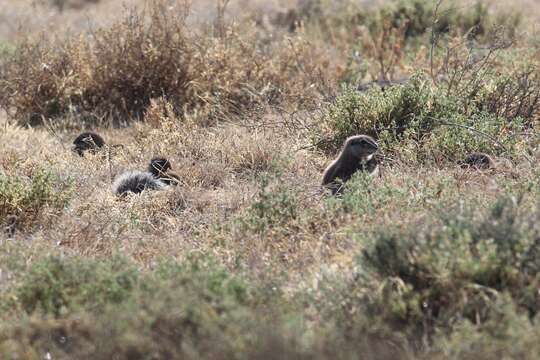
x: 55, y: 286
x: 418, y: 17
x: 410, y: 109
x: 355, y: 112
x: 479, y: 132
x: 361, y: 197
x: 24, y: 201
x: 189, y: 310
x: 105, y: 308
x: 424, y: 278
x: 60, y: 286
x: 414, y: 17
x: 273, y: 208
x: 423, y: 116
x: 508, y: 332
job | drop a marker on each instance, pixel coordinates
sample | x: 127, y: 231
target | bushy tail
x: 136, y: 182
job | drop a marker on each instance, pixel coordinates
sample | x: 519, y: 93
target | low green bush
x: 418, y: 17
x: 509, y: 333
x: 24, y: 201
x: 59, y: 286
x: 480, y: 132
x: 361, y: 197
x: 451, y: 288
x: 55, y: 286
x: 272, y: 209
x: 77, y: 308
x: 415, y: 17
x: 423, y: 279
x: 421, y: 116
x: 403, y: 109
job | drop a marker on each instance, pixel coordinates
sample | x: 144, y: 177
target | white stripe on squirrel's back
x: 136, y: 182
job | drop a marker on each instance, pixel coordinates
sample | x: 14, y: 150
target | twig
x: 49, y: 127
x: 312, y: 145
x: 443, y: 122
x: 221, y: 7
x: 433, y: 38
x: 493, y: 139
x: 110, y: 164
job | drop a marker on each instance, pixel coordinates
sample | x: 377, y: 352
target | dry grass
x: 102, y: 75
x: 238, y: 108
x: 221, y: 170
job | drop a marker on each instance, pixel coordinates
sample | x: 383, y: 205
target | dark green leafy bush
x: 422, y: 115
x: 397, y: 110
x: 423, y: 279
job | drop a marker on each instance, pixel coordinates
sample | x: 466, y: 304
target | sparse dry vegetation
x: 248, y: 258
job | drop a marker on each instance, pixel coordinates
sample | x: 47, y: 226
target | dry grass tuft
x: 247, y: 257
x: 116, y: 72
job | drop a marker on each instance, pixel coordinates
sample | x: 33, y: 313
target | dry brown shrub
x: 117, y: 71
x: 516, y: 94
x: 33, y: 82
x: 385, y: 46
x: 231, y: 147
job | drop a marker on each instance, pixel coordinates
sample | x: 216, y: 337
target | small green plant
x: 6, y: 50
x: 273, y: 208
x: 361, y: 197
x: 23, y: 201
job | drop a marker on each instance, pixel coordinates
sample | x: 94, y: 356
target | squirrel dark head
x: 478, y: 160
x: 361, y: 146
x: 159, y: 166
x: 87, y: 141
